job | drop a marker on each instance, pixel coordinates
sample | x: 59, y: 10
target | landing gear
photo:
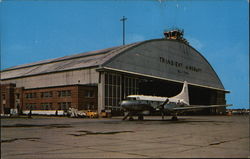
x: 174, y: 118
x: 128, y: 114
x: 140, y: 117
x: 162, y: 115
x: 131, y: 118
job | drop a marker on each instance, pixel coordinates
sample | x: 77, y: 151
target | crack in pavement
x: 212, y: 144
x: 220, y: 142
x: 98, y: 133
x: 15, y: 139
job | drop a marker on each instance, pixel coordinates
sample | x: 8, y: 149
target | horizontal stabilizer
x: 200, y: 106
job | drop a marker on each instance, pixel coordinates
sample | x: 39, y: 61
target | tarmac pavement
x: 62, y: 137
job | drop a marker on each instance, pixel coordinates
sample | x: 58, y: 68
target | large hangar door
x: 203, y: 96
x: 118, y: 87
x: 197, y: 95
x: 155, y: 87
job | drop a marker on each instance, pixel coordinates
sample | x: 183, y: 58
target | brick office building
x: 152, y: 67
x: 51, y: 98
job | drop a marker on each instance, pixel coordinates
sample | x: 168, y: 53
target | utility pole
x: 123, y: 25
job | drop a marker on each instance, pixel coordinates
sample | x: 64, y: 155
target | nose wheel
x: 128, y: 115
x: 131, y: 118
x: 174, y: 118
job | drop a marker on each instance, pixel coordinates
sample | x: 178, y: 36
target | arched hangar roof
x: 66, y: 63
x: 160, y: 58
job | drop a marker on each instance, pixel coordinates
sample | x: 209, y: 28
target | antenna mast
x: 123, y: 30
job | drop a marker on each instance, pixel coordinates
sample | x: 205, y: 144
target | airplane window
x: 130, y: 98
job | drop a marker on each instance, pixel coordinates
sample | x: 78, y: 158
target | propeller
x: 161, y: 108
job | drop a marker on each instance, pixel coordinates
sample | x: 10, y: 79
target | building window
x: 46, y: 94
x: 65, y: 93
x: 30, y: 95
x: 89, y: 93
x: 46, y: 106
x: 64, y: 105
x: 68, y: 93
x: 88, y: 106
x: 3, y: 96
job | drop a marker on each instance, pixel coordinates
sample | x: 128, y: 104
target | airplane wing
x: 200, y: 107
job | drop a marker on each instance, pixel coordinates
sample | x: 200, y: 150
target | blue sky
x: 37, y: 30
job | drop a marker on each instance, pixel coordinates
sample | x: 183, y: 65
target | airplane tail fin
x: 184, y: 96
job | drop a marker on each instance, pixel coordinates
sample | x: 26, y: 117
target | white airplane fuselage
x: 141, y: 103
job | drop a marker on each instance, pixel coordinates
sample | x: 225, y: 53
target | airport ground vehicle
x: 91, y: 114
x: 105, y: 114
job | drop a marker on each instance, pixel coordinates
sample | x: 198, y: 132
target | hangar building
x: 99, y: 80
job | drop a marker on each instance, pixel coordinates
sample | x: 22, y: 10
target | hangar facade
x: 99, y: 80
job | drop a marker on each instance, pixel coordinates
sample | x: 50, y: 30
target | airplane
x: 142, y: 105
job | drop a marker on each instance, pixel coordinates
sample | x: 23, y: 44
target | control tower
x: 175, y: 34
